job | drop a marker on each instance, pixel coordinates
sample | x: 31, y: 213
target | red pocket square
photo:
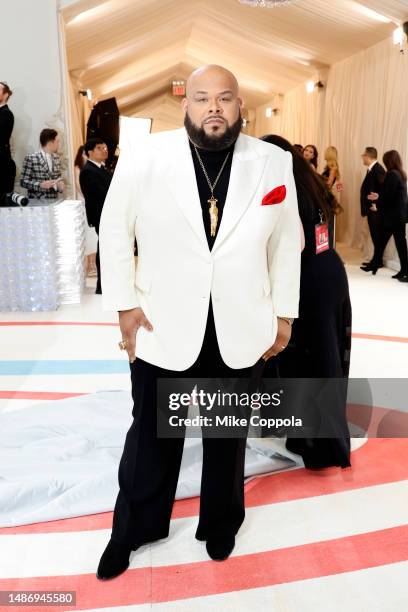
x: 276, y: 196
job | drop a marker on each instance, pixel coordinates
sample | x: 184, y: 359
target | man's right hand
x: 373, y: 196
x: 129, y: 322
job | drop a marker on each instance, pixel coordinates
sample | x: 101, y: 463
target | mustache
x: 214, y: 117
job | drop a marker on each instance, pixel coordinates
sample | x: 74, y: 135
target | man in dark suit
x: 95, y: 181
x: 371, y: 184
x: 7, y: 165
x: 393, y: 212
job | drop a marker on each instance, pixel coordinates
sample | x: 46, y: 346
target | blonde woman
x: 331, y: 173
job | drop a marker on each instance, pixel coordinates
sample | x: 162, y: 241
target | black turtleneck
x: 212, y: 161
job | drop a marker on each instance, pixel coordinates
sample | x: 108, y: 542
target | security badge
x: 322, y: 235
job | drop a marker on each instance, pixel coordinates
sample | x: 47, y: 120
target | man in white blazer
x: 213, y: 293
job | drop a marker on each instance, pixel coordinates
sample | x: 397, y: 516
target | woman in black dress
x: 321, y: 337
x: 393, y: 213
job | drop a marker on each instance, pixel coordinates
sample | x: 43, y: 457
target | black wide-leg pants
x: 149, y: 467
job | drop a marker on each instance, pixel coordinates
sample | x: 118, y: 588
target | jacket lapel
x: 182, y: 182
x: 43, y: 161
x: 246, y: 172
x: 53, y: 162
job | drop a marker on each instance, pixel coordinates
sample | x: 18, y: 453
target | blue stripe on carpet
x: 90, y: 366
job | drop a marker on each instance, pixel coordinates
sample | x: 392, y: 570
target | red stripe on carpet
x: 36, y: 323
x: 379, y: 422
x: 37, y: 395
x: 378, y: 461
x: 175, y: 582
x: 382, y: 338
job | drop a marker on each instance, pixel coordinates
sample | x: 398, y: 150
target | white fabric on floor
x: 60, y: 459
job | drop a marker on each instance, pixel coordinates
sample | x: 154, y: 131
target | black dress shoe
x: 98, y: 291
x: 219, y: 548
x: 398, y: 274
x: 403, y: 279
x: 114, y: 561
x: 370, y: 268
x: 370, y: 264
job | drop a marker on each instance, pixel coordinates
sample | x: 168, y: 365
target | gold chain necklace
x: 213, y: 210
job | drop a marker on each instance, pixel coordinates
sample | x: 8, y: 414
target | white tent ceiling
x: 133, y: 49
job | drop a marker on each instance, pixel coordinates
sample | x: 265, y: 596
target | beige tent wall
x: 299, y: 116
x: 364, y: 104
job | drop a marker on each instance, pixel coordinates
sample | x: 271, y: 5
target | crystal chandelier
x: 266, y: 3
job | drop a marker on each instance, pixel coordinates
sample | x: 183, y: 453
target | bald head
x: 212, y: 106
x: 210, y: 75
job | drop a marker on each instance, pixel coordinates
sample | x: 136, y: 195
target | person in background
x: 91, y: 237
x: 321, y: 337
x: 311, y: 155
x: 331, y: 172
x: 7, y: 165
x: 95, y: 181
x: 41, y: 173
x: 298, y: 148
x: 371, y: 184
x: 79, y: 163
x: 393, y: 213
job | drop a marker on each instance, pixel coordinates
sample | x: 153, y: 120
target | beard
x: 212, y: 142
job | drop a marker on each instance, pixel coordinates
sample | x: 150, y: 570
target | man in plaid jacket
x: 41, y: 173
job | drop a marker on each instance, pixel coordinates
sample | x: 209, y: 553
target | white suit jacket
x: 252, y: 271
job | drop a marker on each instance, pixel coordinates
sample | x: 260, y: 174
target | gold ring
x: 123, y: 345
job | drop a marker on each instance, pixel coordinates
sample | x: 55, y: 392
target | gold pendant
x: 213, y: 210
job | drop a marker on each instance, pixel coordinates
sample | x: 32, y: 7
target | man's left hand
x: 282, y: 339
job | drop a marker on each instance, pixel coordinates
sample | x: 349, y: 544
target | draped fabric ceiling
x: 133, y: 49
